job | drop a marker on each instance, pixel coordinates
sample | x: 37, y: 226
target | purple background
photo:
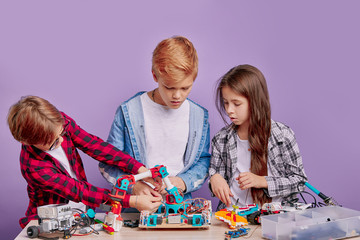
x: 86, y: 57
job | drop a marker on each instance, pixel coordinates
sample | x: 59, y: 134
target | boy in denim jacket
x: 162, y: 126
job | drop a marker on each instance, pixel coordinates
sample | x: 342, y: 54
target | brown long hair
x: 248, y: 81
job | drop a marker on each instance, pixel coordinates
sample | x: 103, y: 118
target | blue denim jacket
x: 128, y: 134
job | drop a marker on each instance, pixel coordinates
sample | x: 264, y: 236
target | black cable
x: 300, y: 175
x: 82, y: 221
x: 300, y: 192
x: 315, y: 202
x: 293, y: 200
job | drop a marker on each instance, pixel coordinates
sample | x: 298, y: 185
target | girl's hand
x: 141, y: 188
x: 145, y: 202
x: 248, y: 180
x: 221, y: 189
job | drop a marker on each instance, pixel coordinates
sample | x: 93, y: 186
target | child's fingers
x: 155, y: 193
x: 220, y: 195
x: 217, y: 193
x: 231, y: 194
x: 226, y: 197
x: 246, y: 184
x: 163, y: 192
x: 223, y: 193
x: 228, y: 200
x: 244, y: 180
x: 244, y: 187
x: 155, y: 206
x: 244, y: 176
x: 156, y: 199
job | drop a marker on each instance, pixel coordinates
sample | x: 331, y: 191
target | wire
x: 196, y: 205
x: 252, y: 232
x: 327, y: 201
x: 82, y: 222
x: 85, y: 234
x: 314, y: 204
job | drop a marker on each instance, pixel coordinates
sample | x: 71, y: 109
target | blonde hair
x: 33, y: 120
x: 175, y: 58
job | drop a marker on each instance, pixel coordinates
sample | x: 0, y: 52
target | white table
x: 216, y: 231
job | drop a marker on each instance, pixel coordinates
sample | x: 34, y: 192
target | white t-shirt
x: 242, y: 165
x: 166, y: 133
x: 59, y: 154
x: 244, y: 196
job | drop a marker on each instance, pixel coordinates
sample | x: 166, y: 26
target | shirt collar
x: 231, y: 131
x: 276, y: 132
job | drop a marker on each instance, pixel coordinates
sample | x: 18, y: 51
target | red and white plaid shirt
x: 48, y: 181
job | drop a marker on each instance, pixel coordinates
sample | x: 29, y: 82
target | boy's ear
x: 154, y: 76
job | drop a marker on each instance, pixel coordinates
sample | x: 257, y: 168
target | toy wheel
x: 67, y: 234
x: 254, y: 218
x: 33, y: 231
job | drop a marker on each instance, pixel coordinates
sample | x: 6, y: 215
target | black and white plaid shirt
x: 284, y: 159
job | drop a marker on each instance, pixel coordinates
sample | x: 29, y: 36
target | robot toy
x: 174, y: 213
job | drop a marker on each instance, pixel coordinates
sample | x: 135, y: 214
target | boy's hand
x: 221, y: 189
x: 177, y: 182
x: 248, y: 180
x: 156, y: 183
x: 141, y: 188
x: 142, y: 169
x: 145, y: 202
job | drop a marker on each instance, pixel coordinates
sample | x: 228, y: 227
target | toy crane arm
x: 161, y: 171
x: 123, y: 183
x: 171, y: 189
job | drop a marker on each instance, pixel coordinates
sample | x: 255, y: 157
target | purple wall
x: 86, y: 57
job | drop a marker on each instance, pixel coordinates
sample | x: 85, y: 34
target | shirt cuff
x: 136, y: 166
x: 126, y: 201
x: 271, y: 190
x: 211, y: 172
x: 187, y: 182
x: 105, y: 197
x: 211, y: 192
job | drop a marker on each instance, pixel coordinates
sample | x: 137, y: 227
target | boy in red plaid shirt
x: 51, y: 164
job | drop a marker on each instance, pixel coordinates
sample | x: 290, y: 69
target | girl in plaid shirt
x: 254, y: 159
x: 51, y: 164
